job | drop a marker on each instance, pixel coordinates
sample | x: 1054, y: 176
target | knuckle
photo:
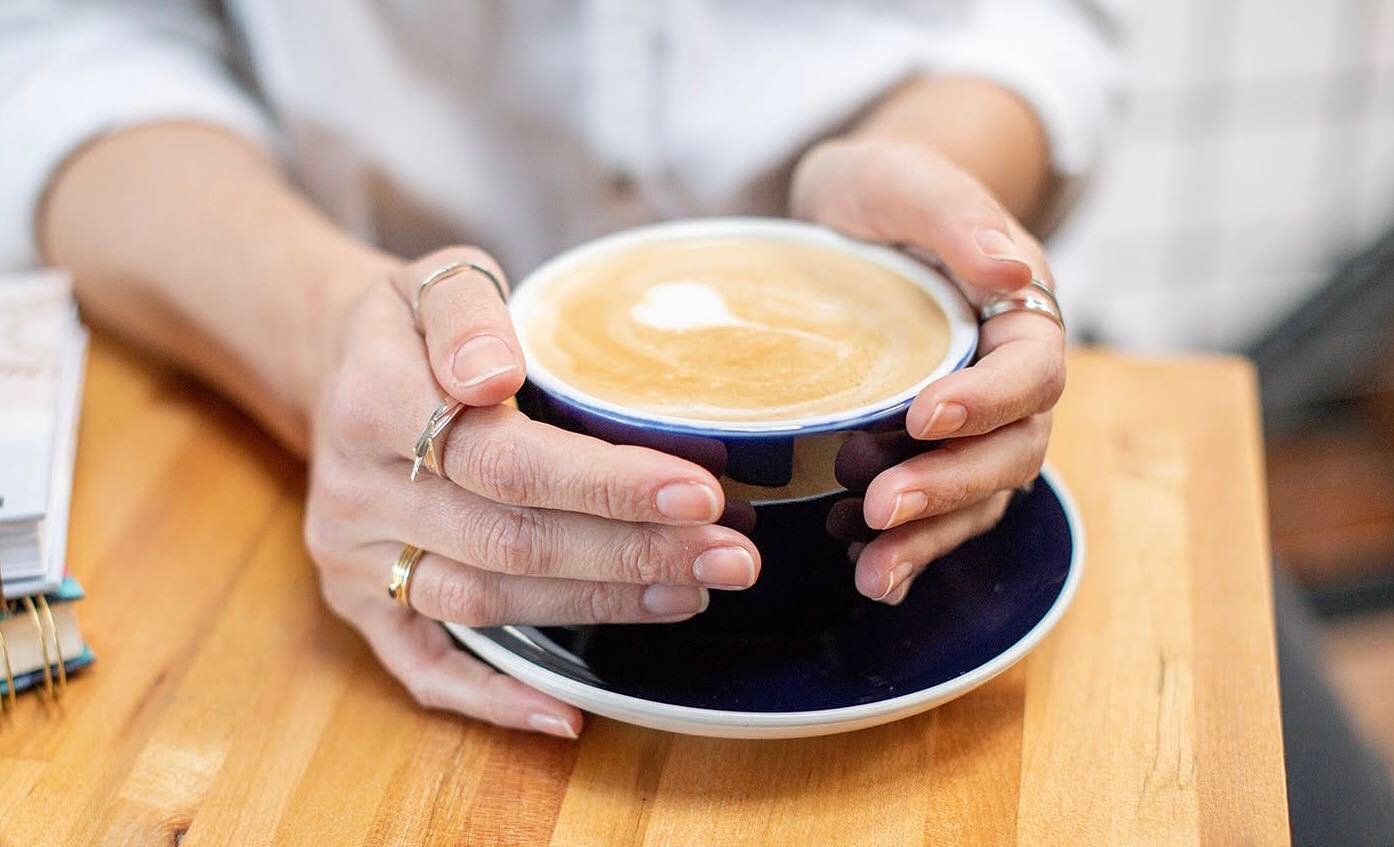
x: 642, y: 555
x: 603, y: 492
x: 594, y: 602
x: 351, y: 414
x: 609, y: 495
x: 512, y: 541
x: 339, y: 494
x: 500, y: 469
x: 466, y: 600
x: 951, y: 491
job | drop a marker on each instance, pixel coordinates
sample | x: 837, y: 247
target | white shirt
x: 523, y: 127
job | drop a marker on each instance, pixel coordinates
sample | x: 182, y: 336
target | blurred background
x: 1249, y: 207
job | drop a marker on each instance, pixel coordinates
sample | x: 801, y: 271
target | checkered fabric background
x: 1256, y: 154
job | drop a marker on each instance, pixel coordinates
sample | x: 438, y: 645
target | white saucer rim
x: 695, y: 720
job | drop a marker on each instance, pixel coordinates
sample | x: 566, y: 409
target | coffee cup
x: 780, y: 355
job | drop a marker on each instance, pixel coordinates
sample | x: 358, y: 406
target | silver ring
x: 426, y: 454
x: 440, y: 275
x: 1035, y: 297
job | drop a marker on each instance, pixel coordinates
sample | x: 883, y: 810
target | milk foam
x: 735, y: 329
x: 683, y: 305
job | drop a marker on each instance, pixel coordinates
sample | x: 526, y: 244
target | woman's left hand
x: 994, y: 416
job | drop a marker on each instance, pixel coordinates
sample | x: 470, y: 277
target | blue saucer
x: 828, y: 661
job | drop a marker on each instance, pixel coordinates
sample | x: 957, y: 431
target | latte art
x: 735, y: 329
x: 683, y: 305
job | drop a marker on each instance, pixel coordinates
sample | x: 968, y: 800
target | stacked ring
x: 1035, y: 297
x: 426, y: 454
x: 399, y: 586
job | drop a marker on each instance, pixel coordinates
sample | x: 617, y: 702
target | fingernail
x: 907, y: 505
x: 481, y: 359
x: 897, y: 575
x: 898, y: 596
x: 996, y: 244
x: 552, y: 725
x: 670, y: 600
x: 725, y: 567
x: 947, y: 419
x: 688, y: 501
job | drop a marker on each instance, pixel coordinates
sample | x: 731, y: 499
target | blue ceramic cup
x: 793, y: 486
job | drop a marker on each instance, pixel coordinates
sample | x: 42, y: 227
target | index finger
x: 469, y: 335
x: 501, y: 454
x: 1021, y: 374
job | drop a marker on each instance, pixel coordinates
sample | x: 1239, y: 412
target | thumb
x: 468, y: 331
x: 905, y: 194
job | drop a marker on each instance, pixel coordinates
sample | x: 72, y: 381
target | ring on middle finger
x: 427, y: 454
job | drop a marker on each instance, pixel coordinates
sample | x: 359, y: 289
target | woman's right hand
x: 532, y: 524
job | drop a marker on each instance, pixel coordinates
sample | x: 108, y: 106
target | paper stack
x: 42, y: 349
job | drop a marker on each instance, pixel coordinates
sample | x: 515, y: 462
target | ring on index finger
x: 426, y: 454
x: 442, y: 274
x: 1035, y: 297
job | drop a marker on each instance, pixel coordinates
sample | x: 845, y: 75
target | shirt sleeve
x: 1063, y: 57
x: 71, y: 71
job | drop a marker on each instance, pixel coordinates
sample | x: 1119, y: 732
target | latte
x: 733, y: 328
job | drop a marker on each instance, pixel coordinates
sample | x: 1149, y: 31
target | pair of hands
x: 537, y: 525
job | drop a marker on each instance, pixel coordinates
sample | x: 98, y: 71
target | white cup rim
x: 963, y: 325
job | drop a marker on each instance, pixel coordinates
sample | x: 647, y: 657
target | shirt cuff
x: 55, y: 109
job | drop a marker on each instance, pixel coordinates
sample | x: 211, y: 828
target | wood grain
x: 228, y: 706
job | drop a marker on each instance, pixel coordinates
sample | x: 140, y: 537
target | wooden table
x: 227, y: 706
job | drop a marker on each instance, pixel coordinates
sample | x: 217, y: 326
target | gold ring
x: 399, y: 588
x: 440, y: 275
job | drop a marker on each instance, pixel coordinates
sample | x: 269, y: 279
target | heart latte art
x: 735, y: 329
